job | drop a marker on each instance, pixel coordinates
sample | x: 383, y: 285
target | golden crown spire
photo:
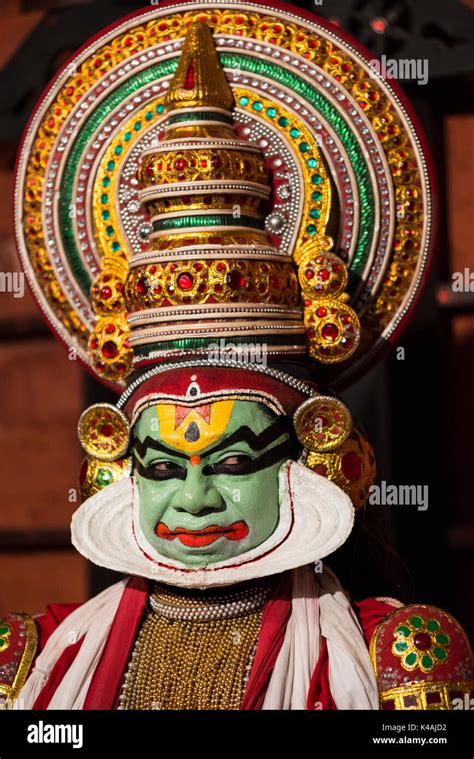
x: 199, y: 79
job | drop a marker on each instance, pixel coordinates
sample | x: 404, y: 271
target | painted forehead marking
x: 190, y: 429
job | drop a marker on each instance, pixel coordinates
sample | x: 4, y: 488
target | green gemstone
x: 118, y: 150
x: 4, y: 630
x: 403, y: 630
x: 440, y: 653
x: 427, y: 661
x: 127, y: 136
x: 160, y: 108
x: 401, y: 646
x: 304, y: 147
x: 244, y: 100
x: 316, y: 195
x: 104, y: 477
x: 115, y: 246
x: 110, y: 231
x: 137, y: 126
x: 105, y: 215
x: 272, y: 112
x: 283, y: 121
x: 257, y: 106
x: 295, y: 132
x: 3, y: 643
x: 105, y: 181
x: 416, y: 622
x: 312, y: 163
x: 442, y: 639
x: 432, y: 625
x: 411, y: 659
x: 315, y: 213
x: 111, y: 165
x: 311, y: 229
x: 316, y: 179
x: 149, y: 115
x: 104, y: 198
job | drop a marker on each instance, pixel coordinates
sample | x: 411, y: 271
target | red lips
x: 204, y: 537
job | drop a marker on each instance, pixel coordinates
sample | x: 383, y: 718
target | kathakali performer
x: 224, y: 211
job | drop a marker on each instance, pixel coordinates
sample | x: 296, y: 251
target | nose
x: 197, y: 495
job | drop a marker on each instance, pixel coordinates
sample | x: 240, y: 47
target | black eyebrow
x: 255, y: 442
x: 142, y: 447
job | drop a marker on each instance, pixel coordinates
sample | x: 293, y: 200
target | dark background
x: 418, y: 412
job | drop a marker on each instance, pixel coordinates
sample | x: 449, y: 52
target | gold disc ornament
x: 322, y: 423
x: 104, y: 432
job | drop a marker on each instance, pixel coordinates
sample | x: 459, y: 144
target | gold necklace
x: 194, y: 649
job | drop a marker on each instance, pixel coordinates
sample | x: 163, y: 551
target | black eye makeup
x: 161, y: 470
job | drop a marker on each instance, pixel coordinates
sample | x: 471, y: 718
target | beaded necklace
x: 195, y: 650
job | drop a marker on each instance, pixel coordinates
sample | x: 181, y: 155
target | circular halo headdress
x: 208, y: 173
x: 113, y: 220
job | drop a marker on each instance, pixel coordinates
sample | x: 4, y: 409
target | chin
x: 200, y: 557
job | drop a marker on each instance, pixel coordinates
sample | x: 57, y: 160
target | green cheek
x: 252, y: 498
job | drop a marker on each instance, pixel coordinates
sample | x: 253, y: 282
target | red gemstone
x: 321, y: 312
x: 235, y: 279
x: 216, y: 162
x: 351, y: 466
x: 110, y: 329
x: 143, y: 286
x: 345, y: 318
x: 109, y: 349
x: 330, y: 332
x: 323, y: 275
x: 309, y: 274
x: 320, y: 469
x: 189, y: 78
x: 107, y: 430
x: 221, y: 266
x: 185, y: 281
x: 106, y: 292
x: 422, y: 641
x: 180, y: 164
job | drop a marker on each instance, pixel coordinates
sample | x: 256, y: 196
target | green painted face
x: 208, y: 478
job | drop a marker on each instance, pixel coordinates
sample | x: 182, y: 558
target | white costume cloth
x: 320, y: 610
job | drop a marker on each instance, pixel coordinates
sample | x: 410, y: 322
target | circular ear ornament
x: 322, y: 423
x: 104, y: 432
x: 351, y: 467
x: 95, y: 475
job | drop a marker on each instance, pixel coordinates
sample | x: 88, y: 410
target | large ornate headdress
x: 207, y: 180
